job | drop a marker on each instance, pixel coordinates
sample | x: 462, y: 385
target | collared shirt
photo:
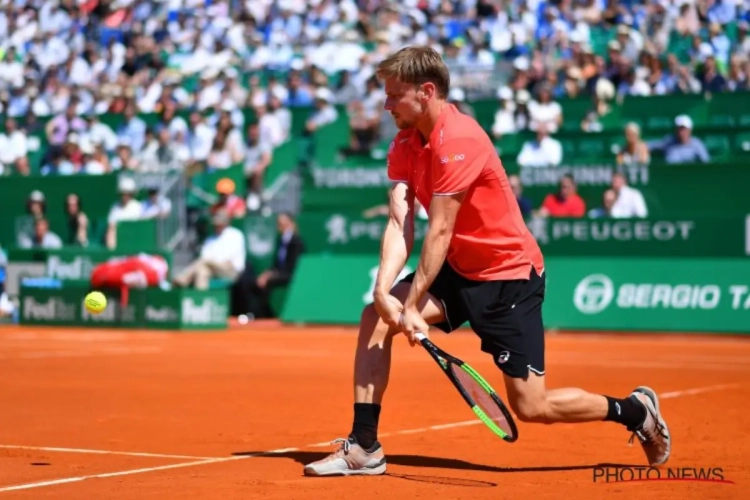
x: 629, y: 204
x: 490, y: 239
x: 227, y: 246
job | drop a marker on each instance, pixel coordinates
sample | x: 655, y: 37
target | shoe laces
x: 345, y: 445
x: 648, y: 436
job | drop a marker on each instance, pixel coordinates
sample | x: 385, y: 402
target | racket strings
x: 482, y: 399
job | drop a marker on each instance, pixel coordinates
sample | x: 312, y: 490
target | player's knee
x: 371, y: 322
x: 530, y: 410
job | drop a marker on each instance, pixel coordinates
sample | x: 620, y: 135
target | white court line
x: 697, y: 390
x: 99, y: 452
x: 26, y: 486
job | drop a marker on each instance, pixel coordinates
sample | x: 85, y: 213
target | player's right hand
x: 389, y: 308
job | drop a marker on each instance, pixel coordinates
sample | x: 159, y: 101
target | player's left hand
x: 411, y: 323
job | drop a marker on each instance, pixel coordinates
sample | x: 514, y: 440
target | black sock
x: 629, y: 412
x: 365, y: 428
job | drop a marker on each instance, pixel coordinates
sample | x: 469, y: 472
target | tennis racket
x: 475, y: 390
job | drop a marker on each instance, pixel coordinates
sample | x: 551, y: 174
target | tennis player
x: 479, y: 264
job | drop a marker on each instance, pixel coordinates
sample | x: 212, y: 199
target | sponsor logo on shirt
x: 452, y: 158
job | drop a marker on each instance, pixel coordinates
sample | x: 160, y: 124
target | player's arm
x: 398, y: 237
x: 456, y: 166
x: 443, y: 211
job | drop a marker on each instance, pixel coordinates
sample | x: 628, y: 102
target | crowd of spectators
x: 197, y: 63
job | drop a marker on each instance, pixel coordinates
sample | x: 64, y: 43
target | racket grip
x: 420, y: 336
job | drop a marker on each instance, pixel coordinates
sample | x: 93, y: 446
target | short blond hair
x: 417, y: 65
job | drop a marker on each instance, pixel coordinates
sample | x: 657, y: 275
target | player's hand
x: 411, y: 323
x: 389, y: 309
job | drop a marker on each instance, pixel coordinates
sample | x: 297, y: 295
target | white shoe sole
x: 374, y: 471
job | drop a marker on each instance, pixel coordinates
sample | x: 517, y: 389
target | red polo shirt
x: 490, y: 238
x: 572, y: 206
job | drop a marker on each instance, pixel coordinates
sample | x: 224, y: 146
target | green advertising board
x: 669, y: 190
x: 683, y: 295
x: 625, y: 294
x: 706, y: 236
x: 151, y: 308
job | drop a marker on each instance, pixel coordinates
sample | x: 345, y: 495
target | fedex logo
x: 452, y: 158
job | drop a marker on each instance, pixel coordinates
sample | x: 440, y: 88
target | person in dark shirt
x: 710, y: 78
x: 523, y: 202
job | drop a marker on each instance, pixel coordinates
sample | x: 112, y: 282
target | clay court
x: 125, y: 415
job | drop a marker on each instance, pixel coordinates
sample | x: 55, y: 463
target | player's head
x: 415, y: 78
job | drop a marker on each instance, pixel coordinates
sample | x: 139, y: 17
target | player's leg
x: 520, y: 334
x: 361, y: 453
x: 372, y: 362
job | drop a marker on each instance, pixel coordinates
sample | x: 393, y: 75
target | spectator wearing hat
x: 222, y: 255
x: 36, y: 204
x: 543, y: 151
x: 127, y: 208
x: 681, y: 147
x: 41, y: 237
x: 229, y: 203
x: 258, y: 156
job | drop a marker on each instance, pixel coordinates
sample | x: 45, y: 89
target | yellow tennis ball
x: 95, y: 302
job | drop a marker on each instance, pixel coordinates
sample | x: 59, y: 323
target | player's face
x: 404, y: 102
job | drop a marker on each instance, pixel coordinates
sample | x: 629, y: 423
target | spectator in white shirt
x: 126, y: 209
x: 42, y: 237
x: 13, y: 144
x: 271, y: 131
x: 544, y: 111
x: 325, y: 113
x: 99, y: 133
x: 629, y: 203
x: 544, y: 151
x: 223, y: 255
x: 505, y: 120
x: 155, y: 206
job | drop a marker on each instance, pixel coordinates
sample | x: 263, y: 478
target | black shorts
x: 506, y: 315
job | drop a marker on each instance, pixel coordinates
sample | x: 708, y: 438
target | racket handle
x: 420, y: 336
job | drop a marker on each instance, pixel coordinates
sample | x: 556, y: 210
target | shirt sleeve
x: 457, y: 165
x: 397, y: 169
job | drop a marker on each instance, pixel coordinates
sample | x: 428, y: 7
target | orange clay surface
x: 184, y: 415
